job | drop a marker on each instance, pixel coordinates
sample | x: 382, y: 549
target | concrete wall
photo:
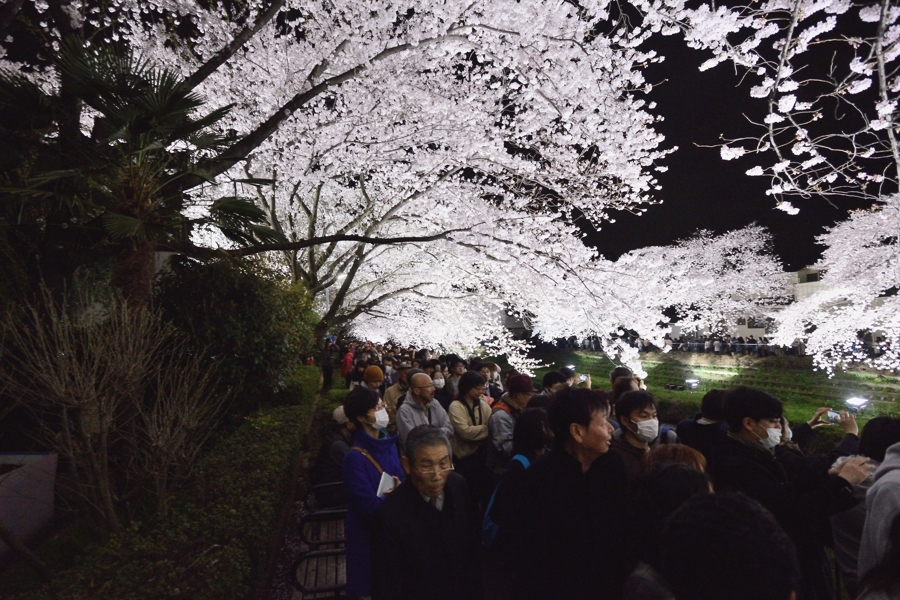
x: 27, y: 494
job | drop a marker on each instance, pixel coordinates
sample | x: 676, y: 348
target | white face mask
x: 381, y: 419
x: 648, y: 430
x: 438, y: 384
x: 774, y: 438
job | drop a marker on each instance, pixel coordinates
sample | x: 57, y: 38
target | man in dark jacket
x: 809, y: 471
x: 745, y: 461
x: 567, y: 520
x: 422, y: 543
x: 553, y: 382
x: 706, y: 429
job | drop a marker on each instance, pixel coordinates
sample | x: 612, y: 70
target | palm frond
x: 108, y: 78
x: 120, y: 226
x: 241, y: 221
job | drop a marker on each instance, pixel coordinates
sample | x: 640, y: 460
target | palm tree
x: 101, y: 189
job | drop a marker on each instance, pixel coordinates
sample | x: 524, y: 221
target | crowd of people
x: 461, y: 479
x: 751, y: 345
x: 733, y: 345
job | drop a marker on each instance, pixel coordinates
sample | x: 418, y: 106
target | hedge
x: 214, y: 542
x: 673, y: 411
x: 246, y: 315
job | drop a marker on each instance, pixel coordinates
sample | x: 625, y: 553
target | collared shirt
x: 435, y: 501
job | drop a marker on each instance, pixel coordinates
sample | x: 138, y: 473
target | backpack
x: 490, y: 529
x: 501, y: 405
x: 663, y: 437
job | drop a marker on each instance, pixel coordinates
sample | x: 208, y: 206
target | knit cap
x: 519, y: 384
x: 373, y: 375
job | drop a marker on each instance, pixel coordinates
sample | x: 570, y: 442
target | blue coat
x: 361, y: 480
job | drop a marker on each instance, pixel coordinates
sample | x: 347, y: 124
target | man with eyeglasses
x: 422, y: 545
x: 423, y: 410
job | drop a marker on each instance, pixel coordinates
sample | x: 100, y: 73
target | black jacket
x: 327, y: 469
x: 421, y: 553
x: 802, y: 511
x: 807, y: 472
x: 567, y: 528
x: 701, y: 438
x: 444, y: 396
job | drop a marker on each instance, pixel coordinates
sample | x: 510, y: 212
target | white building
x: 804, y: 283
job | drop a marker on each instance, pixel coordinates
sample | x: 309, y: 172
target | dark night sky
x: 700, y: 190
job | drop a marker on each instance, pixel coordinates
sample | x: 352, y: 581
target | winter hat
x: 519, y: 384
x: 373, y: 375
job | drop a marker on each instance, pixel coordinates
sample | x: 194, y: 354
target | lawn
x: 791, y: 380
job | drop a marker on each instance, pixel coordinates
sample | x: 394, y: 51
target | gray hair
x: 425, y: 436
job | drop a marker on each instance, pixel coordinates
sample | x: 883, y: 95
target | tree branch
x: 199, y: 251
x: 222, y: 56
x: 240, y: 149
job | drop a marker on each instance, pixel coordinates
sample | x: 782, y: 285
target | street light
x: 856, y: 404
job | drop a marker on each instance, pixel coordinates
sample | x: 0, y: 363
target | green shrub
x: 336, y: 396
x: 246, y: 315
x: 674, y: 410
x: 304, y: 382
x: 214, y: 542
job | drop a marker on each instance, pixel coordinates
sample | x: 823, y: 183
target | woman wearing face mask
x: 443, y: 393
x: 636, y: 414
x: 372, y: 451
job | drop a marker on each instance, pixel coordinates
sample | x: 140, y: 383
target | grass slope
x: 791, y: 380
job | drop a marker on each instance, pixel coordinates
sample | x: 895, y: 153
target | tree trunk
x: 133, y: 271
x: 319, y: 333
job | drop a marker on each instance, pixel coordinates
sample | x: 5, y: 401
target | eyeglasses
x: 437, y: 471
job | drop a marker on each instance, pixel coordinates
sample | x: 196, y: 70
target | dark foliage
x: 244, y: 315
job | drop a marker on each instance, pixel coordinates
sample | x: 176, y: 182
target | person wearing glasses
x: 419, y: 408
x: 422, y: 545
x: 372, y: 453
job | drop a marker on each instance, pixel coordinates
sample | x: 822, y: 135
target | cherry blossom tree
x: 827, y: 75
x: 861, y: 268
x: 456, y: 292
x: 490, y: 131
